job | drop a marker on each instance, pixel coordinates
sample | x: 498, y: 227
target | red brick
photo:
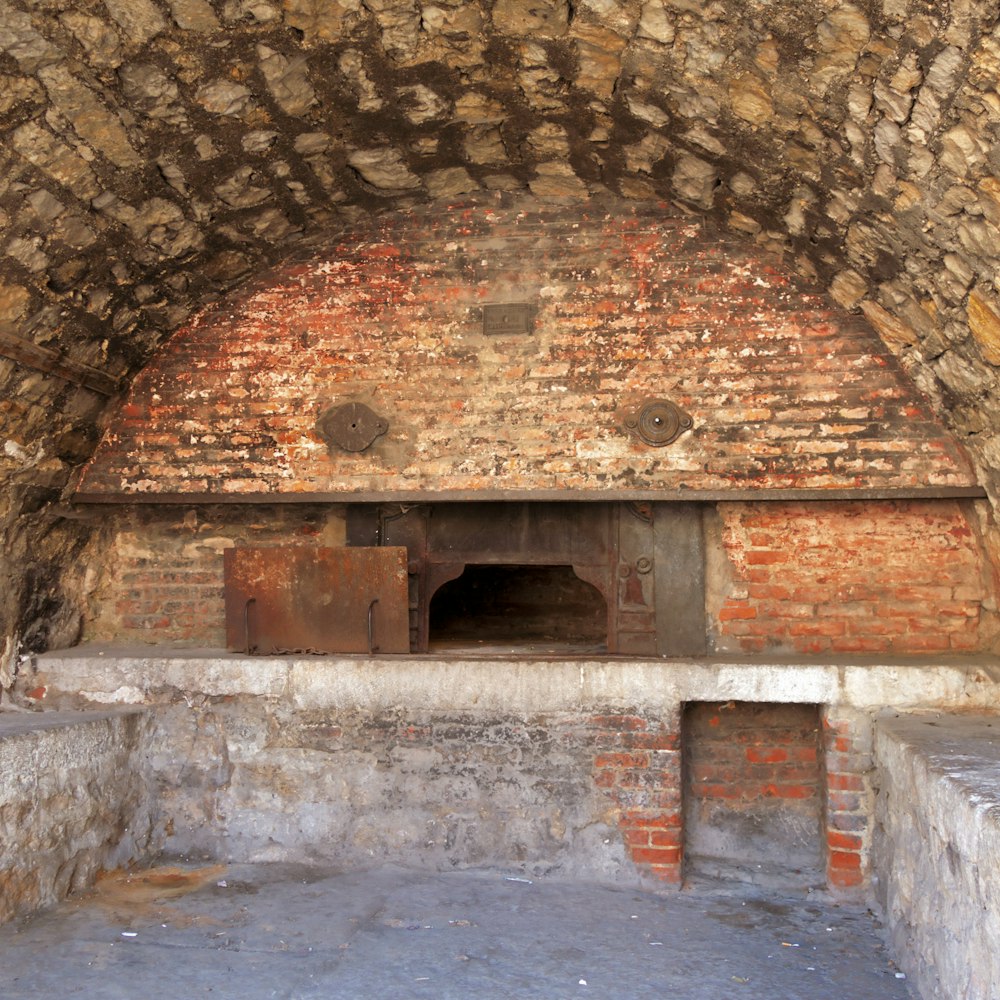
x: 769, y: 591
x: 817, y: 628
x: 927, y: 643
x: 843, y: 878
x: 718, y: 774
x: 788, y: 791
x: 848, y: 802
x: 845, y: 782
x: 619, y: 722
x: 636, y: 837
x: 605, y: 778
x: 656, y: 855
x: 654, y: 820
x: 848, y: 822
x: 665, y: 838
x: 853, y: 762
x: 861, y: 644
x: 841, y: 609
x: 704, y: 791
x: 964, y: 643
x: 844, y: 859
x: 736, y: 613
x: 757, y: 755
x: 660, y: 742
x: 766, y: 558
x: 622, y: 760
x: 841, y: 841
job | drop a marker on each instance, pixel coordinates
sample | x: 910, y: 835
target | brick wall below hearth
x: 568, y: 766
x: 753, y: 790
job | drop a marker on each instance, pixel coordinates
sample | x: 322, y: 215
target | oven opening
x: 541, y: 608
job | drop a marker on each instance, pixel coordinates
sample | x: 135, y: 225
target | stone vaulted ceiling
x: 157, y: 152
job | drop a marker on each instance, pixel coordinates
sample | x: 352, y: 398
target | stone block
x: 75, y: 800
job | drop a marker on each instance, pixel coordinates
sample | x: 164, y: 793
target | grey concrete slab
x: 284, y: 931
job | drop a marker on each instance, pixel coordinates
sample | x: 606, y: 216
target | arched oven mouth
x: 615, y: 578
x: 537, y: 608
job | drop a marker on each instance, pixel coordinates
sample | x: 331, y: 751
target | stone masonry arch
x: 157, y: 153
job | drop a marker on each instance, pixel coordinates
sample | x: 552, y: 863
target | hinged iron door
x: 316, y: 600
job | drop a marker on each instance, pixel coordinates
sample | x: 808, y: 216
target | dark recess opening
x: 753, y: 793
x: 519, y: 606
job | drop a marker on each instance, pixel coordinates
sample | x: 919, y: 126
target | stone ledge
x: 937, y: 848
x: 74, y: 800
x: 106, y: 675
x: 32, y: 724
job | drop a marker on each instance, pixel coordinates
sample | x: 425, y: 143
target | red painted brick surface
x: 847, y: 740
x: 645, y: 786
x: 784, y: 391
x: 904, y: 576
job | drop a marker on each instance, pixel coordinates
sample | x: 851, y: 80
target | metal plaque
x: 508, y: 317
x: 351, y: 426
x: 316, y: 600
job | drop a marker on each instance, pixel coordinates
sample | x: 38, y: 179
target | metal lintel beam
x: 491, y: 495
x: 43, y: 359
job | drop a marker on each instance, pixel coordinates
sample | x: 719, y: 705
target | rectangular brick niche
x: 753, y: 793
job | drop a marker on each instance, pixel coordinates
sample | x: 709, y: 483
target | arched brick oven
x: 735, y: 467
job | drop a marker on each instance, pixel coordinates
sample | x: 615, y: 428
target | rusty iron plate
x: 351, y: 427
x: 509, y: 317
x: 316, y: 600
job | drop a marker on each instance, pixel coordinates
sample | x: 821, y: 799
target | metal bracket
x: 372, y: 648
x: 350, y: 427
x: 246, y: 625
x: 657, y: 422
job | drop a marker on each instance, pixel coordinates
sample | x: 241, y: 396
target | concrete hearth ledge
x: 507, y: 680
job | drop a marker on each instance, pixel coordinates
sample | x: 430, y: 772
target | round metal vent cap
x: 658, y: 422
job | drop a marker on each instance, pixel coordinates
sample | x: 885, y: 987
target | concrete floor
x: 280, y: 931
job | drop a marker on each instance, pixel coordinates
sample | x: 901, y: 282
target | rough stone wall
x: 157, y: 152
x: 628, y: 304
x: 590, y: 792
x: 197, y: 138
x: 937, y: 850
x: 76, y: 798
x: 861, y: 577
x: 567, y: 765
